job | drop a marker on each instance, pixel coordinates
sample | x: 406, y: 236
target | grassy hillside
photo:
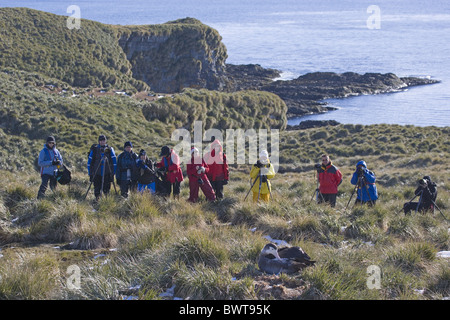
x: 89, y: 56
x: 144, y: 246
x: 35, y: 106
x: 168, y: 57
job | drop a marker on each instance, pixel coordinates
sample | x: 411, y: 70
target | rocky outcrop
x: 180, y: 54
x: 307, y: 124
x: 249, y: 76
x: 304, y: 94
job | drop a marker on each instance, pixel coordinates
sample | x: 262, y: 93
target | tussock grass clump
x: 29, y: 275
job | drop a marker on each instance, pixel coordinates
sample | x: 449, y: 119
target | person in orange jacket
x: 196, y: 171
x: 172, y: 175
x: 218, y: 173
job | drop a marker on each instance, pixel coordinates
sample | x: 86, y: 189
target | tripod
x: 317, y: 192
x: 359, y: 184
x: 105, y: 161
x: 260, y: 177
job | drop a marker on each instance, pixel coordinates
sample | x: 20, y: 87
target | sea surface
x: 408, y: 38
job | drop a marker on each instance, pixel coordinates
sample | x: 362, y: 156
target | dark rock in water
x: 249, y: 76
x: 313, y: 124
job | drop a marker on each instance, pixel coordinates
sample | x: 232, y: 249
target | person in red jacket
x: 329, y: 178
x: 172, y: 174
x: 218, y: 173
x: 196, y: 171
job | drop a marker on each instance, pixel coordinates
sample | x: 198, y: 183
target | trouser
x: 98, y: 181
x: 195, y: 184
x: 166, y: 188
x: 262, y: 196
x: 218, y: 188
x: 45, y: 180
x: 370, y: 203
x: 328, y: 198
x: 151, y: 187
x: 412, y: 206
x: 124, y: 185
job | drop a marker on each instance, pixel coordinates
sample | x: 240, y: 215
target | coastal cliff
x: 179, y: 54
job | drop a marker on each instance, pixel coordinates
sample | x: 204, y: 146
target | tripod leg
x: 251, y: 188
x: 354, y: 189
x: 95, y: 173
x: 260, y: 181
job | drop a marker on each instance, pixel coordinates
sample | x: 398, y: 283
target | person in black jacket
x: 126, y: 173
x: 146, y: 177
x: 101, y: 165
x: 427, y: 193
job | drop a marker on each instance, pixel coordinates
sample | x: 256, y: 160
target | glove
x: 56, y: 162
x: 201, y: 170
x: 258, y: 164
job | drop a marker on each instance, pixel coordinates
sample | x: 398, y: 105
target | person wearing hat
x: 127, y: 171
x: 169, y: 167
x: 261, y: 173
x: 196, y: 171
x: 146, y: 173
x: 101, y: 165
x: 49, y: 160
x: 364, y: 180
x: 427, y: 193
x: 329, y: 177
x: 218, y: 173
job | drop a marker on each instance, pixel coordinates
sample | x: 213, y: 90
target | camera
x: 423, y: 183
x: 105, y: 149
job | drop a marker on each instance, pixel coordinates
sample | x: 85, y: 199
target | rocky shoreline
x: 304, y: 95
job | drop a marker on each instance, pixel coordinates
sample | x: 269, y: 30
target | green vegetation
x: 37, y: 41
x: 144, y: 246
x: 242, y: 109
x: 126, y: 58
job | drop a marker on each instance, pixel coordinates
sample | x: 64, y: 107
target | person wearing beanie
x: 101, y: 165
x: 261, y: 173
x: 218, y: 173
x: 170, y: 171
x: 50, y: 160
x: 197, y: 170
x: 127, y: 171
x: 146, y: 173
x: 329, y: 177
x: 364, y: 180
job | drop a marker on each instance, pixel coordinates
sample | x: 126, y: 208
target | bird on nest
x: 274, y: 260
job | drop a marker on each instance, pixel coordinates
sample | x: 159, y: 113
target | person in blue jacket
x: 49, y: 160
x: 364, y: 179
x: 101, y: 165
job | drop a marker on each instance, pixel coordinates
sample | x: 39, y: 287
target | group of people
x: 209, y: 174
x: 329, y: 177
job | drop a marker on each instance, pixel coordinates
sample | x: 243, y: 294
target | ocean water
x: 408, y: 38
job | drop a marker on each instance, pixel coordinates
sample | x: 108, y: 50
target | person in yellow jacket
x: 262, y: 171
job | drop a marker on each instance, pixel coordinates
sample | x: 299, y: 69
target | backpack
x: 92, y: 149
x: 64, y: 176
